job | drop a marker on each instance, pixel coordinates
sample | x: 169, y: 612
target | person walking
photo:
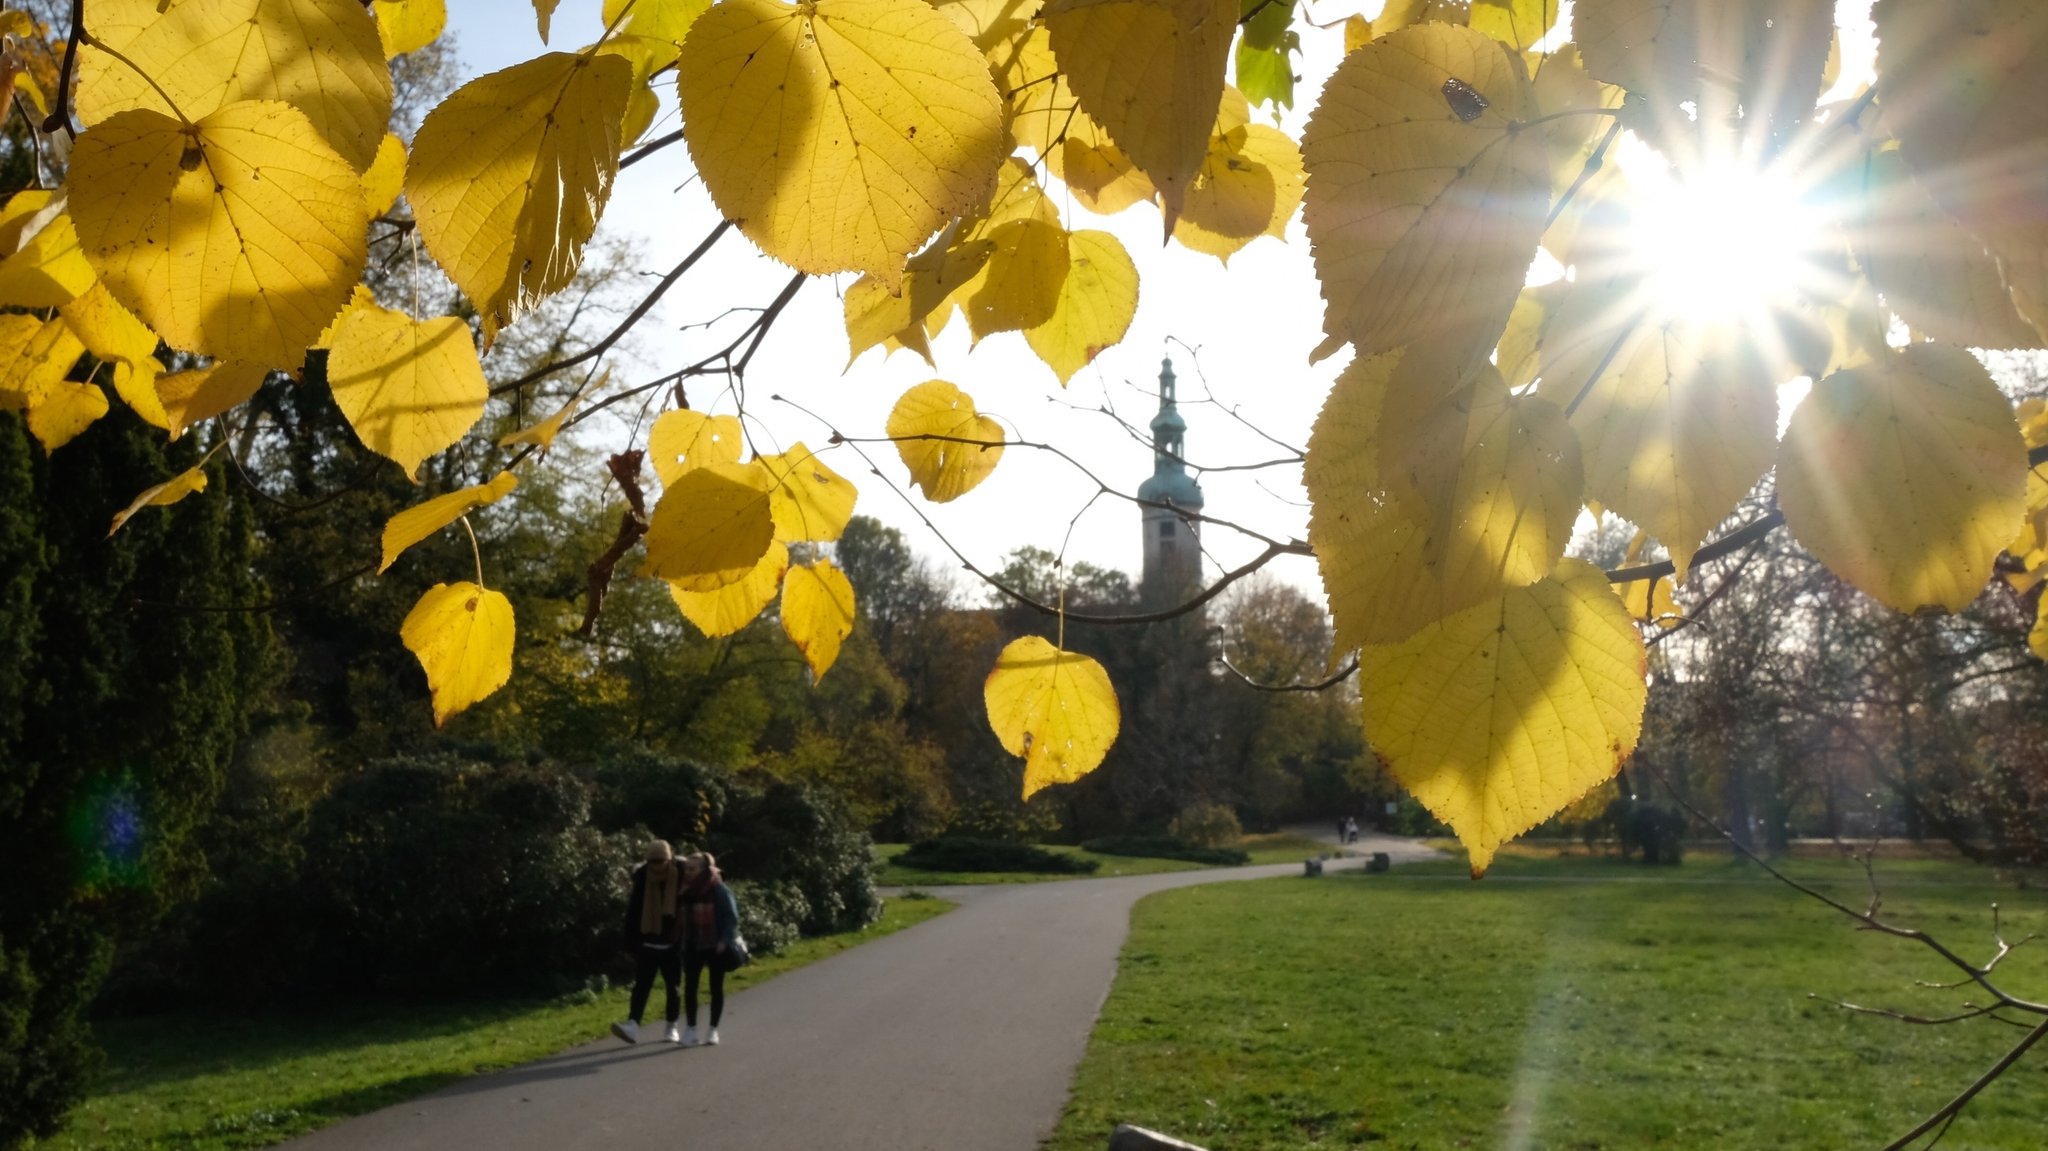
x: 711, y: 921
x: 653, y: 936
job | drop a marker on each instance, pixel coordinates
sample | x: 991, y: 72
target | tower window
x: 1166, y: 529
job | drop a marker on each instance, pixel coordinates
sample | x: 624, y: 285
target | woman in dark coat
x: 711, y: 921
x: 653, y: 936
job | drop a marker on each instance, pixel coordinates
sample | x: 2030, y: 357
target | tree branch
x: 1955, y: 1106
x: 60, y: 116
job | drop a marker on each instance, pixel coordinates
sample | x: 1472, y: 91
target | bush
x: 960, y: 853
x: 1206, y: 824
x: 1658, y: 833
x: 1166, y: 847
x: 771, y: 914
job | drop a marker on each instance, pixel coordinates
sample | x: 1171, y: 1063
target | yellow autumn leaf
x: 360, y: 297
x: 1517, y: 23
x: 1048, y: 122
x: 203, y: 393
x: 544, y: 15
x: 945, y: 469
x: 1906, y: 477
x: 1682, y: 419
x: 949, y: 267
x: 42, y: 266
x: 114, y: 334
x: 817, y: 612
x: 542, y: 435
x: 1964, y: 87
x: 1649, y: 601
x: 725, y: 610
x: 410, y: 25
x: 65, y: 409
x: 1357, y: 33
x: 1392, y: 563
x: 1054, y: 708
x: 842, y: 134
x: 509, y: 174
x: 645, y: 54
x: 685, y: 439
x: 1020, y: 285
x: 1151, y: 73
x: 409, y: 389
x: 656, y: 19
x: 1399, y: 14
x: 1097, y: 301
x: 386, y: 177
x: 809, y: 501
x: 163, y: 495
x: 1249, y: 186
x: 1424, y: 201
x: 35, y: 356
x: 422, y: 520
x: 1499, y: 716
x: 1761, y: 57
x: 711, y: 526
x: 462, y: 634
x: 324, y: 57
x: 238, y: 238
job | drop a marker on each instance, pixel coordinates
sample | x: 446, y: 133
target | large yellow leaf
x: 1761, y: 57
x: 163, y: 495
x: 542, y: 435
x: 324, y: 57
x: 386, y: 177
x: 65, y: 410
x: 840, y: 134
x: 544, y: 16
x: 1965, y: 88
x: 239, y: 237
x: 1151, y: 72
x: 34, y: 358
x: 1682, y: 419
x: 462, y: 634
x: 422, y: 520
x: 1054, y: 708
x: 1517, y: 23
x: 1020, y: 285
x: 1498, y: 518
x: 1424, y: 202
x: 203, y: 393
x: 1249, y: 186
x: 1048, y: 122
x: 949, y: 267
x: 1932, y: 271
x: 509, y: 174
x: 40, y: 264
x: 711, y: 527
x: 817, y: 612
x: 656, y: 19
x: 114, y: 334
x: 945, y: 468
x: 410, y: 25
x: 1499, y: 716
x: 810, y: 501
x: 1097, y: 301
x: 726, y: 610
x: 1906, y: 477
x: 685, y: 439
x: 409, y: 389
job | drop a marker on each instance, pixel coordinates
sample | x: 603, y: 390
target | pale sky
x: 1251, y: 324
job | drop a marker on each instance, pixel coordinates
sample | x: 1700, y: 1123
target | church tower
x: 1172, y: 540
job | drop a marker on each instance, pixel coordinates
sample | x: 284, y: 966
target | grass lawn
x: 1560, y: 1003
x: 1277, y: 847
x: 206, y: 1081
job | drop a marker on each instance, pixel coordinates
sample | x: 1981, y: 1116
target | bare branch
x: 1955, y: 1106
x: 1343, y: 673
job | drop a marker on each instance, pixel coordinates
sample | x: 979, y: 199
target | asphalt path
x: 962, y: 1032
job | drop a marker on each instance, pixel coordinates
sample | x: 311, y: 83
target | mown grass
x: 1277, y: 847
x: 209, y: 1081
x: 1565, y: 1003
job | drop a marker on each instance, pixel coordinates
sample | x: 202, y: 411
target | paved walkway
x: 961, y: 1033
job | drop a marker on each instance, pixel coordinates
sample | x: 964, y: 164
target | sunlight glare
x: 1721, y: 243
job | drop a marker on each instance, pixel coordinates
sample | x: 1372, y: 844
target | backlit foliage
x: 231, y: 155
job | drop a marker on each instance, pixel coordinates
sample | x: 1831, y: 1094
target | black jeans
x: 669, y: 961
x: 695, y: 961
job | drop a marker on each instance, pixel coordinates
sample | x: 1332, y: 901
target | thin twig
x: 1955, y: 1106
x: 1349, y: 668
x: 60, y: 116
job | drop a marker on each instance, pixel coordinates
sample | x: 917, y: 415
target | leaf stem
x: 137, y: 69
x: 475, y: 551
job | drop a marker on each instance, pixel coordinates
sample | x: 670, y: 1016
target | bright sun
x: 1721, y: 243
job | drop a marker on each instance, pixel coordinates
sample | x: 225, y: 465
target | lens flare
x: 1725, y: 243
x: 109, y: 831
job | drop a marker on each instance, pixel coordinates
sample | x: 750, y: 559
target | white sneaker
x: 627, y: 1031
x: 671, y: 1035
x: 712, y: 1038
x: 689, y: 1037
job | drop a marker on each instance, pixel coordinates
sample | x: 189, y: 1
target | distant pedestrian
x: 653, y: 936
x: 1342, y: 821
x: 711, y: 921
x: 1351, y: 829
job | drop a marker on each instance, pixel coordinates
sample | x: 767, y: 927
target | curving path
x: 963, y: 1032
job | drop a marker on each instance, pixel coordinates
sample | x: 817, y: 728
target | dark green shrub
x: 771, y: 914
x: 1206, y: 824
x: 1166, y: 847
x: 1657, y: 833
x: 960, y: 853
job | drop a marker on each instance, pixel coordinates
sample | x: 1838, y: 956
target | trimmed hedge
x: 960, y: 853
x: 1166, y: 847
